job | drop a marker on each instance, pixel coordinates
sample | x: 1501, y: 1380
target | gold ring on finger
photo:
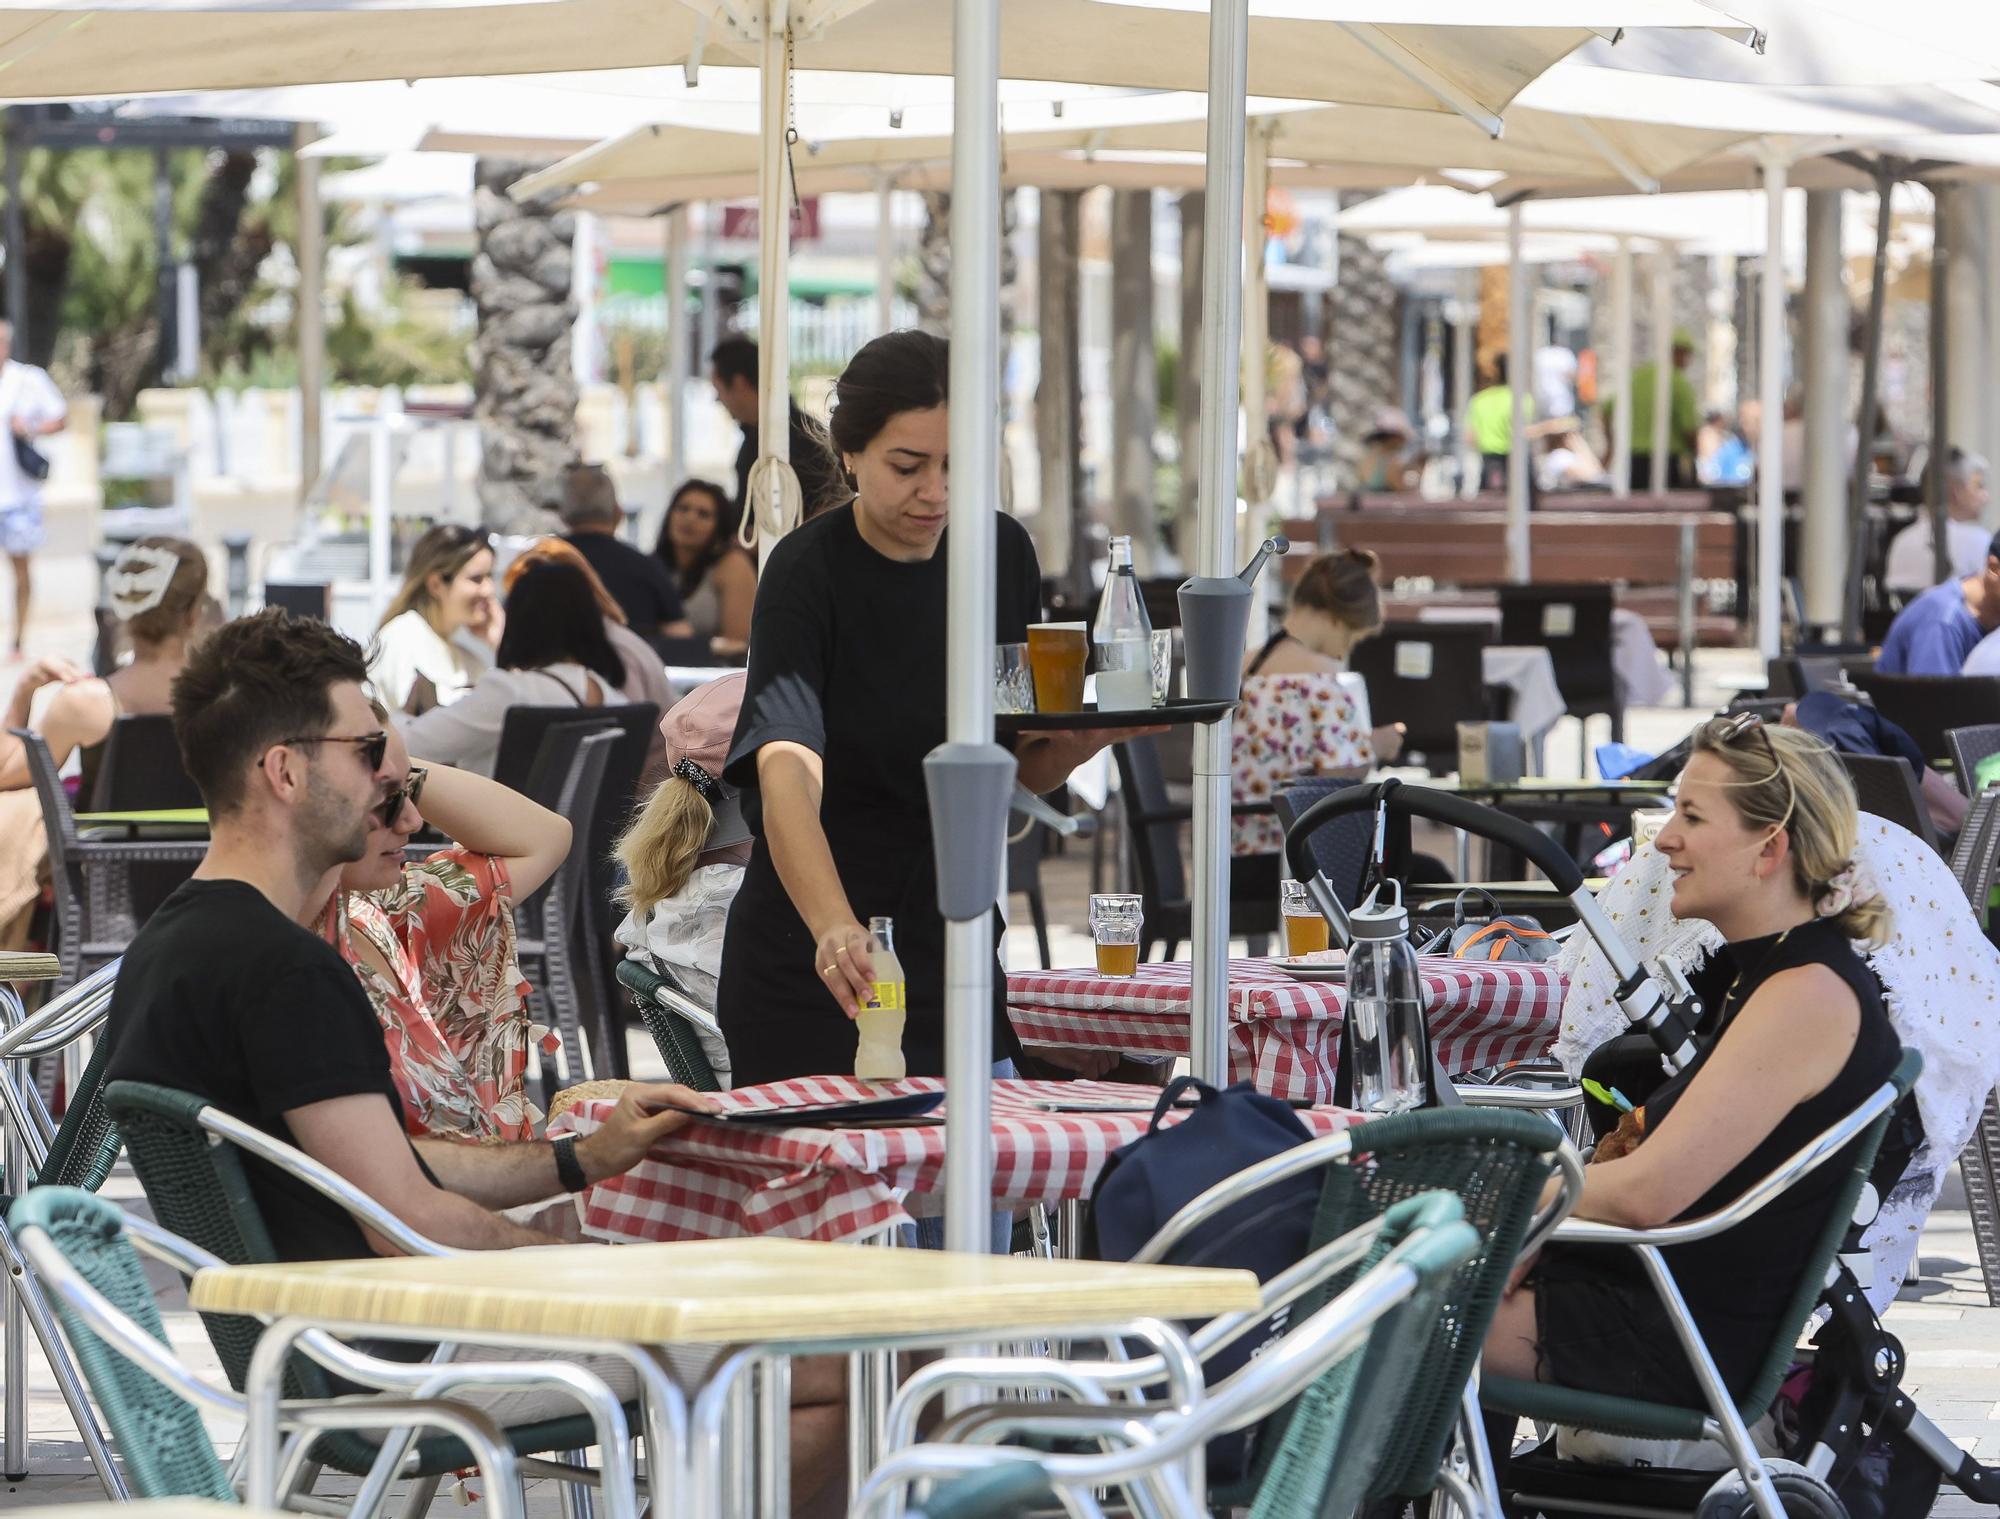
x: 841, y: 951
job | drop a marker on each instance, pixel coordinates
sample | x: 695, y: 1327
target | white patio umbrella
x: 1471, y: 56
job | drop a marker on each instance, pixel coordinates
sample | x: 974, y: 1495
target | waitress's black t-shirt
x: 847, y: 659
x: 222, y: 995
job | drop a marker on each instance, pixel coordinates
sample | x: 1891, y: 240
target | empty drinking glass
x: 1162, y: 652
x: 1115, y: 921
x: 1013, y: 679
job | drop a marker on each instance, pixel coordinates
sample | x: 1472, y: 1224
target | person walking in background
x: 733, y: 373
x: 34, y: 409
x: 637, y: 581
x: 1489, y: 426
x: 1683, y: 419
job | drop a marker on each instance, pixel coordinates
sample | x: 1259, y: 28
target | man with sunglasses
x: 222, y: 994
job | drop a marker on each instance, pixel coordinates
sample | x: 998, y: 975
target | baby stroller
x: 1855, y: 1434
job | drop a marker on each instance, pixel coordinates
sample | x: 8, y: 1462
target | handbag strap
x: 1458, y: 905
x: 1179, y: 1087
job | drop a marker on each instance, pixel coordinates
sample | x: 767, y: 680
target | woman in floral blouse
x: 433, y: 944
x: 1302, y: 711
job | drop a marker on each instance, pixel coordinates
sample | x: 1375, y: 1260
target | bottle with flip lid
x: 878, y: 1054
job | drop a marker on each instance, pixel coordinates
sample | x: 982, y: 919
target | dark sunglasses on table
x: 410, y: 790
x: 374, y: 746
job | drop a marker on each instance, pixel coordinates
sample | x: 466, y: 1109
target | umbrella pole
x: 1259, y: 475
x: 1934, y: 471
x: 1465, y: 338
x: 1871, y: 377
x: 971, y: 778
x: 1661, y: 421
x: 675, y: 375
x: 1519, y: 383
x: 774, y: 229
x: 1215, y: 515
x: 1621, y: 378
x: 1771, y: 438
x: 885, y: 254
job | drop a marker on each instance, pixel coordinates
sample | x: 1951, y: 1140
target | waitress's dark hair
x: 897, y: 372
x: 552, y: 619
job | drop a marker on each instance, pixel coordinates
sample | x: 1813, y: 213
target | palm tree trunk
x: 525, y: 393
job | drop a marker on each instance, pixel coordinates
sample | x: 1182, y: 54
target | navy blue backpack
x: 1148, y: 1181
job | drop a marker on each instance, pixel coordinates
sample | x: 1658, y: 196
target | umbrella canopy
x: 1422, y: 54
x: 1347, y: 137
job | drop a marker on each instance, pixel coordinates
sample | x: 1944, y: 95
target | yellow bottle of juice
x: 878, y: 1056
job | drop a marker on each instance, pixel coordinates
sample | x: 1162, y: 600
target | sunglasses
x: 374, y: 746
x: 410, y: 790
x: 1728, y: 730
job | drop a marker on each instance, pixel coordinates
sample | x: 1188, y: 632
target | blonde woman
x: 433, y: 641
x: 1762, y: 846
x: 684, y: 855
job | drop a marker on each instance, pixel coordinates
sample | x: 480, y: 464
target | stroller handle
x: 1440, y: 807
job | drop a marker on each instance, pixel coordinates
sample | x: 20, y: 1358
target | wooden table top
x: 144, y: 1508
x: 21, y: 965
x: 758, y: 1290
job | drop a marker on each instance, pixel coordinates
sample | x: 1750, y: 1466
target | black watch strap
x: 569, y: 1170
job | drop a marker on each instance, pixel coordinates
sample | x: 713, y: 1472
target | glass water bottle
x: 1122, y: 637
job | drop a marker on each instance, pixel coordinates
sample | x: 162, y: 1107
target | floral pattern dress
x: 454, y: 1011
x: 1288, y: 725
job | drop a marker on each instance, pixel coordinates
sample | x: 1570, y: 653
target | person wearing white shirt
x: 1910, y: 565
x: 553, y: 653
x: 34, y: 408
x: 432, y: 643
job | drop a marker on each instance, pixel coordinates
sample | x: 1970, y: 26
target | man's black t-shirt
x: 222, y: 995
x: 637, y: 581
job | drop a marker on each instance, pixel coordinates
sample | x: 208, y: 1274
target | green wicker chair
x: 1721, y: 1419
x: 80, y: 1244
x: 167, y: 1452
x: 81, y: 1153
x: 1329, y: 1456
x: 654, y: 996
x: 198, y: 1189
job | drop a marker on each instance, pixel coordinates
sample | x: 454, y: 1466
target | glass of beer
x: 1305, y: 929
x: 1115, y: 920
x: 1057, y: 652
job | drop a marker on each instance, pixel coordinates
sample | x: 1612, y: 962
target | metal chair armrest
x: 1537, y: 1100
x: 1314, y: 1153
x: 323, y: 1180
x: 63, y: 1018
x: 164, y: 1245
x: 1809, y: 1157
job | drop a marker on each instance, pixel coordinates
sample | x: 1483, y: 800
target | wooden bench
x: 1467, y: 545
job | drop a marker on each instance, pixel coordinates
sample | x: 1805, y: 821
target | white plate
x: 1327, y: 965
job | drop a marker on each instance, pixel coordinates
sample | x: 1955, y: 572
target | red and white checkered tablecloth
x: 1284, y: 1035
x: 714, y: 1180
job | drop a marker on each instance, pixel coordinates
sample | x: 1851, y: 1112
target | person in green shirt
x: 1489, y: 426
x: 1683, y: 420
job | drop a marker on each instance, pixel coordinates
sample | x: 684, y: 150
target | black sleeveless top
x: 1738, y: 1283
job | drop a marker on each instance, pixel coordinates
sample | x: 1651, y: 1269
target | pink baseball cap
x: 698, y: 729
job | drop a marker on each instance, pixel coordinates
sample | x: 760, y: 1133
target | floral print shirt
x: 454, y: 1010
x: 1289, y: 725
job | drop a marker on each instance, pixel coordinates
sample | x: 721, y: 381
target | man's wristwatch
x: 569, y: 1170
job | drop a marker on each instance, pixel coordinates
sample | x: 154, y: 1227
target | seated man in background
x: 1936, y: 633
x: 637, y: 581
x: 223, y: 995
x: 1911, y: 565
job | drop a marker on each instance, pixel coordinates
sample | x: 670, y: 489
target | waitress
x: 844, y: 698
